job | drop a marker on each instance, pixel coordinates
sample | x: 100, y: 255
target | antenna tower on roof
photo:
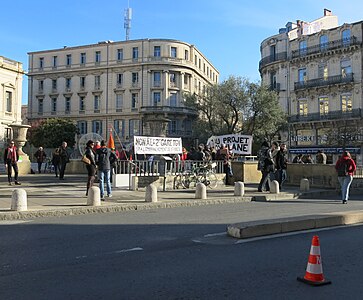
x: 127, y: 20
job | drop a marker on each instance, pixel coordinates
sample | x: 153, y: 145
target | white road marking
x: 128, y: 250
x: 215, y: 234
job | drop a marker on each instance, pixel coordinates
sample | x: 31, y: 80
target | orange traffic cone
x: 314, y: 270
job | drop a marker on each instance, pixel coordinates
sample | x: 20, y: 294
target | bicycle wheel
x: 211, y: 179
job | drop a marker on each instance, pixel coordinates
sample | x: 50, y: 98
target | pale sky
x: 227, y: 32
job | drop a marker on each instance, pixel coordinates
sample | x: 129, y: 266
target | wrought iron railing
x: 337, y: 79
x: 168, y: 109
x: 332, y: 115
x: 272, y: 58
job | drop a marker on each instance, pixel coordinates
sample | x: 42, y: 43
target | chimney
x: 327, y: 12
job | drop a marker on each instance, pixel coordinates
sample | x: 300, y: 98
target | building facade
x: 316, y: 68
x: 134, y: 87
x: 11, y: 79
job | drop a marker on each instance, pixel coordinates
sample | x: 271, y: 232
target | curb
x: 275, y: 226
x: 112, y: 208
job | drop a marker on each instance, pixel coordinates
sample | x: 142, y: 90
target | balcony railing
x: 342, y: 43
x: 324, y: 81
x: 168, y: 109
x: 272, y: 58
x: 179, y: 133
x: 332, y: 115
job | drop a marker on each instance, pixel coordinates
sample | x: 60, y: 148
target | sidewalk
x: 49, y: 197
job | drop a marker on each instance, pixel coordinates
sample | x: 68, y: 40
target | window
x: 186, y: 54
x: 68, y: 83
x: 346, y: 37
x: 41, y: 85
x: 97, y: 127
x: 302, y: 75
x: 40, y: 106
x: 273, y: 52
x: 323, y: 72
x: 346, y: 68
x: 157, y: 79
x: 96, y: 103
x: 195, y: 60
x: 54, y: 105
x: 67, y: 105
x: 273, y: 83
x: 41, y: 62
x: 135, y: 53
x: 119, y: 126
x: 54, y: 84
x: 302, y: 107
x: 98, y: 57
x: 173, y: 99
x: 9, y: 101
x: 200, y: 63
x: 157, y: 52
x: 134, y: 98
x: 82, y: 82
x: 83, y: 58
x: 119, y: 79
x: 82, y: 103
x: 172, y: 77
x: 323, y: 42
x: 82, y: 127
x: 323, y: 105
x: 156, y: 98
x: 55, y: 61
x: 186, y: 79
x: 69, y: 59
x: 346, y: 101
x: 172, y: 126
x: 120, y: 54
x: 97, y: 82
x: 173, y: 52
x: 119, y: 101
x: 133, y: 127
x: 135, y: 78
x: 303, y: 47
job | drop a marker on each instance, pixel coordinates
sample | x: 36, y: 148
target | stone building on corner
x: 316, y: 68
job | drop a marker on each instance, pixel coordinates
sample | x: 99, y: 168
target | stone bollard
x: 19, y: 200
x: 274, y: 187
x: 239, y: 188
x: 151, y: 194
x: 94, y: 196
x: 134, y: 183
x: 304, y: 185
x: 200, y: 191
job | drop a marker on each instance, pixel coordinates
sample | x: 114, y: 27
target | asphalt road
x: 178, y: 253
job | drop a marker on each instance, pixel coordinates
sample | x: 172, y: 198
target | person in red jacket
x: 11, y: 157
x: 345, y: 166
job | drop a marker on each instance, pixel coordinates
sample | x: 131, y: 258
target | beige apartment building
x: 134, y: 87
x: 11, y: 79
x: 316, y: 68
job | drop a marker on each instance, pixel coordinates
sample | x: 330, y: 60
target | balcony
x: 321, y: 48
x: 272, y: 58
x: 168, y: 110
x: 179, y: 133
x: 332, y: 115
x: 337, y: 79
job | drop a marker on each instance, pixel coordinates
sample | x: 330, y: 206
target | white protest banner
x: 157, y: 145
x: 239, y: 144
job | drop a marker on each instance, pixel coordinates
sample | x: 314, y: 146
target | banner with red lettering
x: 238, y: 144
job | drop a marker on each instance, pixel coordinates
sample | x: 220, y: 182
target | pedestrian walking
x: 91, y: 168
x: 265, y: 165
x: 40, y: 156
x: 11, y: 157
x: 63, y: 159
x: 55, y: 161
x: 345, y: 167
x: 281, y: 164
x: 103, y: 155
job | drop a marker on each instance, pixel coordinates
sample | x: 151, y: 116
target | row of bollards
x: 19, y: 201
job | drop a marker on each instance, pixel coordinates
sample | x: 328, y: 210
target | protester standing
x: 11, y: 157
x: 265, y: 165
x: 345, y: 166
x: 91, y: 168
x: 281, y: 164
x: 63, y: 159
x: 103, y: 155
x: 40, y: 155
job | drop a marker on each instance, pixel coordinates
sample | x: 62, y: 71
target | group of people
x: 321, y: 158
x: 272, y: 162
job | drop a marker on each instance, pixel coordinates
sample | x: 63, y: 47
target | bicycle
x: 199, y: 174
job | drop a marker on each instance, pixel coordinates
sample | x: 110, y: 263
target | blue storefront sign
x: 330, y: 150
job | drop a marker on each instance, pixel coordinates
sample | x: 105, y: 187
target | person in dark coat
x: 265, y: 165
x: 11, y: 157
x: 91, y: 168
x: 63, y: 160
x: 281, y: 164
x: 40, y: 155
